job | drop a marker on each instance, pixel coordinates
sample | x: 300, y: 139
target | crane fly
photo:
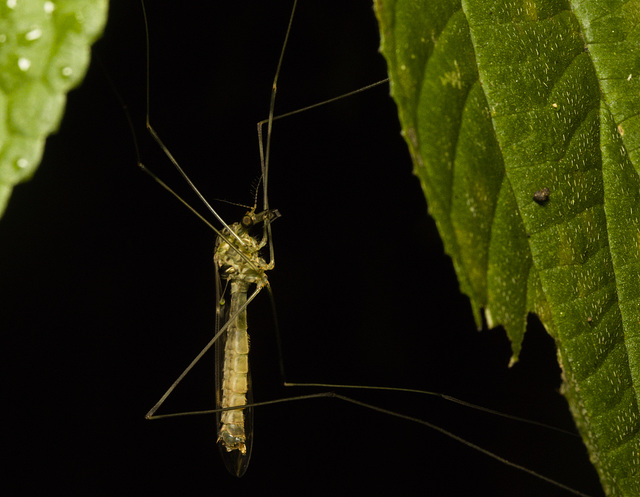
x: 243, y: 255
x: 238, y: 262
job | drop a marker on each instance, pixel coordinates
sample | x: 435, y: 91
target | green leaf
x: 44, y: 53
x: 522, y: 119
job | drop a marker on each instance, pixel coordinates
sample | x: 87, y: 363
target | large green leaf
x: 522, y: 120
x: 44, y: 52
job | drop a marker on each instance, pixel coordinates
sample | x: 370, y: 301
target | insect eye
x: 247, y: 221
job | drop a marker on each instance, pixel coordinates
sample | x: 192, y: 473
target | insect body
x: 239, y: 263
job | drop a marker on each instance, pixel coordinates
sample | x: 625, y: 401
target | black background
x: 107, y: 282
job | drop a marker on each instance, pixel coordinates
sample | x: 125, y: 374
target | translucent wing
x: 235, y: 460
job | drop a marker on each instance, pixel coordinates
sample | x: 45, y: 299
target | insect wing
x: 235, y: 461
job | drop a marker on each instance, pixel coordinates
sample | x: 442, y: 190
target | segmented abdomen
x: 235, y: 373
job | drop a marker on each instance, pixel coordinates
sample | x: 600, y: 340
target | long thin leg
x: 151, y: 413
x: 164, y: 148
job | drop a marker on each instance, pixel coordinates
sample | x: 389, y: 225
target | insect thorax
x: 241, y: 262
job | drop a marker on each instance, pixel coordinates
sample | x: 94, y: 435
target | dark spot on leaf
x: 541, y: 196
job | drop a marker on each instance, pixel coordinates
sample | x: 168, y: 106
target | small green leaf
x: 44, y: 52
x: 523, y: 121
